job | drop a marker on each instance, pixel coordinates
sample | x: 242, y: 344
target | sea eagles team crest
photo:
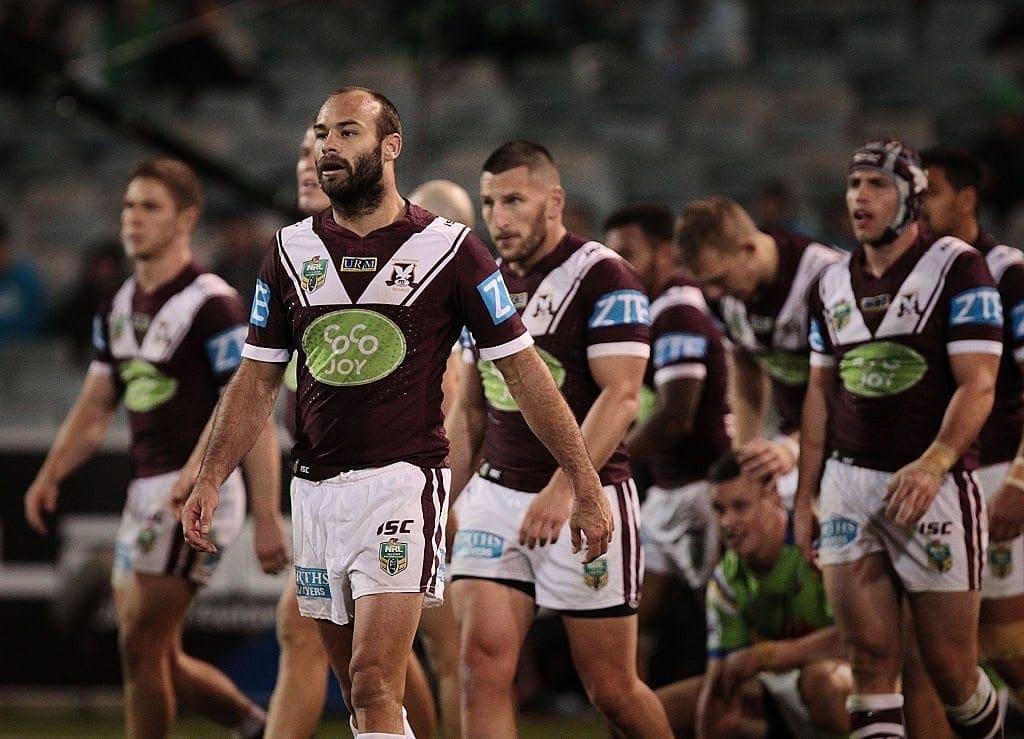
x: 595, y: 574
x: 840, y: 315
x: 394, y: 556
x: 1000, y: 561
x: 314, y: 273
x: 939, y: 556
x: 403, y: 274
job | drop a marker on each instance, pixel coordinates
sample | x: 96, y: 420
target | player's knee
x: 610, y: 694
x: 371, y: 689
x: 486, y: 664
x: 140, y: 640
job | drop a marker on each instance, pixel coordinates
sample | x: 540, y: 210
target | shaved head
x: 446, y: 199
x: 520, y: 153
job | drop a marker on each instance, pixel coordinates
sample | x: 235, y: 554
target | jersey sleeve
x: 974, y: 324
x: 681, y: 336
x: 817, y: 331
x: 220, y: 326
x: 727, y: 631
x: 269, y: 338
x: 619, y: 323
x: 102, y: 360
x: 486, y: 307
x: 1011, y: 292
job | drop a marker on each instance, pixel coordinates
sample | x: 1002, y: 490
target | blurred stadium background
x: 659, y: 101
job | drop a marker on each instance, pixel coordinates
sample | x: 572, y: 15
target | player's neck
x: 878, y: 259
x: 392, y: 208
x: 151, y: 274
x: 968, y: 231
x: 768, y: 256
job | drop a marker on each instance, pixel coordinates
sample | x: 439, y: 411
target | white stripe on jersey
x: 168, y: 327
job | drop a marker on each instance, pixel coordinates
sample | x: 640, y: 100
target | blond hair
x: 718, y: 223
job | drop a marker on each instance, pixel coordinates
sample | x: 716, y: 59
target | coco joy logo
x: 353, y: 347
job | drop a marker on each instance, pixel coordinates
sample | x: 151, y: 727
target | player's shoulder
x: 681, y: 293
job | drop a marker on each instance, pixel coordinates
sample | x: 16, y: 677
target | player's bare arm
x: 913, y: 487
x: 187, y: 476
x: 749, y: 390
x: 604, y: 426
x: 821, y: 389
x: 464, y: 424
x: 245, y: 405
x: 779, y: 655
x: 78, y: 438
x: 1006, y: 509
x: 550, y: 418
x: 262, y: 468
x: 671, y: 421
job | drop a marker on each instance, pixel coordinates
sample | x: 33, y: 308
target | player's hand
x: 738, y: 667
x: 805, y: 529
x: 763, y: 458
x: 197, y: 516
x: 1006, y: 514
x: 40, y: 498
x: 545, y: 516
x: 270, y: 542
x: 911, y: 491
x: 591, y: 517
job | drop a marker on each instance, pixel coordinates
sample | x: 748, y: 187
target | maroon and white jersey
x: 1001, y: 434
x: 581, y: 301
x: 373, y: 320
x: 686, y: 343
x: 891, y: 338
x: 773, y: 326
x: 169, y: 353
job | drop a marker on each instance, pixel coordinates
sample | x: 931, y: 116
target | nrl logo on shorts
x: 940, y: 556
x: 147, y: 539
x: 394, y: 556
x: 839, y: 315
x: 595, y: 574
x: 403, y: 274
x: 314, y: 273
x: 1000, y: 561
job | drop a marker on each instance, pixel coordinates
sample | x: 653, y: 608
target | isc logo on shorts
x: 311, y: 582
x: 478, y: 544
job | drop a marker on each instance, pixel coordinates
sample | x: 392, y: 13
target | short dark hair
x: 962, y: 168
x: 179, y: 179
x: 388, y: 122
x: 724, y: 469
x: 518, y: 153
x: 656, y: 221
x: 727, y: 468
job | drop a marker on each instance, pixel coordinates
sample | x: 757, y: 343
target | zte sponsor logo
x: 311, y: 582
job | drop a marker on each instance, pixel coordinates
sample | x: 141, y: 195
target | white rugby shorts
x: 487, y: 547
x: 680, y: 533
x: 1004, y: 563
x: 942, y: 553
x: 363, y: 532
x: 150, y: 542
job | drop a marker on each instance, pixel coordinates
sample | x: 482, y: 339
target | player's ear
x: 391, y: 146
x: 556, y: 201
x: 188, y: 218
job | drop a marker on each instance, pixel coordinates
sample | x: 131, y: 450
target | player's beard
x: 362, y: 191
x: 527, y: 245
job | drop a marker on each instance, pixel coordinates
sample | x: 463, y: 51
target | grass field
x: 107, y: 722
